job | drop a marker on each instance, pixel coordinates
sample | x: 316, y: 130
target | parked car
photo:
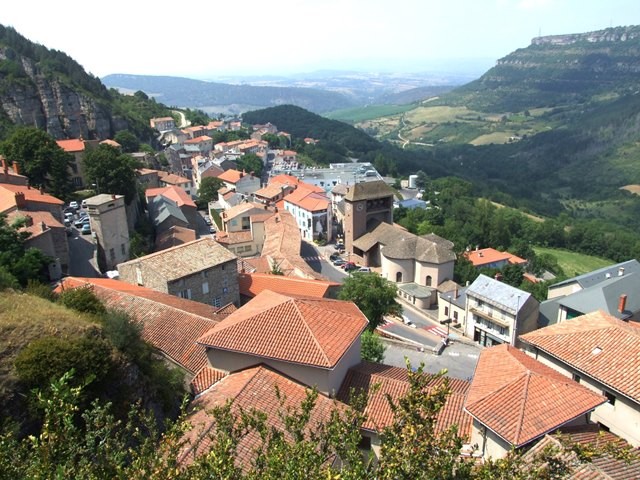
x: 348, y: 266
x: 334, y: 256
x: 408, y: 322
x: 363, y: 270
x: 84, y: 204
x: 207, y: 220
x: 68, y: 216
x: 338, y: 262
x: 80, y: 222
x: 86, y: 228
x: 73, y: 204
x: 212, y: 229
x: 339, y: 246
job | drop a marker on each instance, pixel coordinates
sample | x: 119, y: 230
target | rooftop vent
x: 596, y: 351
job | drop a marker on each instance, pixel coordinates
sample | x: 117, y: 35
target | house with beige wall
x: 600, y: 352
x: 202, y: 270
x: 77, y: 147
x: 515, y: 400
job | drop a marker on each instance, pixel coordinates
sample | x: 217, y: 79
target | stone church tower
x: 367, y: 205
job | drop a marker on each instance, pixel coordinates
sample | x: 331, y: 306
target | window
x: 446, y: 311
x: 225, y: 290
x: 185, y: 293
x: 123, y: 249
x: 398, y: 277
x: 205, y: 288
x: 611, y: 397
x: 576, y: 377
x: 205, y: 274
x: 455, y: 316
x: 428, y: 281
x: 217, y: 302
x: 112, y: 254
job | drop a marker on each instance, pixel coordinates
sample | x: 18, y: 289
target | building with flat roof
x: 108, y: 218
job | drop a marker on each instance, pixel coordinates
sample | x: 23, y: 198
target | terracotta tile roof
x: 305, y: 327
x: 8, y: 196
x: 186, y: 259
x: 176, y: 194
x: 37, y: 219
x: 272, y: 190
x: 520, y: 399
x: 147, y: 171
x: 170, y: 324
x: 231, y: 176
x: 262, y: 216
x: 251, y: 284
x: 226, y: 310
x: 251, y: 265
x: 174, y: 236
x: 599, y: 467
x: 205, y: 378
x: 285, y: 180
x: 72, y: 145
x: 598, y: 344
x: 241, y: 208
x: 485, y: 256
x: 379, y: 380
x: 234, y: 238
x: 308, y: 199
x: 172, y: 178
x: 200, y: 139
x: 251, y: 388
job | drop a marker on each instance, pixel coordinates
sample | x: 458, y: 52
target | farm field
x: 574, y: 263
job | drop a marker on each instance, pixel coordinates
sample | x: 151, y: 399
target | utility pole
x: 447, y: 321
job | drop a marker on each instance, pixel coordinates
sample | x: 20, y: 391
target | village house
x: 201, y: 270
x: 240, y: 182
x: 172, y: 237
x: 162, y: 124
x: 602, y: 353
x: 515, y: 400
x: 203, y: 143
x: 312, y: 210
x: 77, y: 147
x: 272, y: 193
x: 612, y: 289
x: 195, y: 131
x: 251, y: 284
x: 491, y: 258
x: 11, y: 173
x: 171, y: 207
x: 148, y: 178
x: 498, y: 313
x: 203, y: 167
x: 171, y: 179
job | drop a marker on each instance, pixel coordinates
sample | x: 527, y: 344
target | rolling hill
x: 213, y: 96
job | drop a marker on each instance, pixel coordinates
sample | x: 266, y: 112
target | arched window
x: 428, y: 281
x: 398, y: 277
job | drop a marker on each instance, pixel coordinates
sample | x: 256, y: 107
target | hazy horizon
x: 286, y: 37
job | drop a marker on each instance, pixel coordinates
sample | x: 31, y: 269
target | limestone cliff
x: 32, y: 97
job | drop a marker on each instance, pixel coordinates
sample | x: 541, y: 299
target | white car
x: 408, y: 322
x: 73, y: 205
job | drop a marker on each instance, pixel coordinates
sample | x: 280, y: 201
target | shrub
x: 82, y: 300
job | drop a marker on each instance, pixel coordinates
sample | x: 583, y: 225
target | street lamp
x: 447, y: 321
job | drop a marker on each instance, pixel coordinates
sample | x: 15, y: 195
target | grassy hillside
x: 573, y: 263
x: 369, y: 112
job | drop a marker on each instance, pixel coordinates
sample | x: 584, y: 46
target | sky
x: 256, y: 37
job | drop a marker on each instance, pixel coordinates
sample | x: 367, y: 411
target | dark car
x: 339, y: 261
x: 349, y: 266
x: 334, y: 256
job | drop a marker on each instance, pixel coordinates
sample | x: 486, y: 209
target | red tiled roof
x: 72, y: 145
x: 378, y: 381
x: 601, y: 466
x: 272, y: 190
x: 203, y: 138
x: 598, y: 344
x: 176, y: 194
x: 305, y: 326
x: 485, y: 256
x: 38, y: 218
x: 231, y: 176
x: 170, y: 324
x: 521, y: 399
x: 251, y: 388
x: 251, y: 284
x: 234, y: 238
x: 205, y: 378
x: 174, y: 236
x: 285, y: 180
x: 8, y: 196
x: 172, y: 178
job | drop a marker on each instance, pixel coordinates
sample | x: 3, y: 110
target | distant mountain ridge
x: 185, y: 92
x: 558, y: 69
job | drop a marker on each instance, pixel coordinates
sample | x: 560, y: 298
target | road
x: 81, y: 255
x: 317, y: 260
x: 183, y: 120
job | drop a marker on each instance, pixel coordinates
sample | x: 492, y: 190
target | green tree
x: 82, y: 299
x: 374, y: 295
x: 371, y: 347
x: 112, y: 172
x: 128, y: 141
x: 250, y: 162
x: 208, y: 191
x: 20, y: 263
x: 513, y: 275
x: 39, y: 158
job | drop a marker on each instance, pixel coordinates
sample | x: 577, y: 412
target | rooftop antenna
x: 539, y: 32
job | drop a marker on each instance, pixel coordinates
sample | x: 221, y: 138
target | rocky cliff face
x: 48, y: 103
x: 618, y: 34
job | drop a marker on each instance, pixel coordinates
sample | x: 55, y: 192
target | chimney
x: 16, y: 169
x: 498, y: 276
x: 455, y: 293
x: 21, y: 202
x: 41, y: 190
x: 242, y: 173
x: 621, y: 271
x: 28, y: 221
x: 622, y: 303
x: 43, y: 226
x: 5, y: 167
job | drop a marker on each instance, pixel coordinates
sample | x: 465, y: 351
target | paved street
x: 81, y: 255
x: 317, y: 259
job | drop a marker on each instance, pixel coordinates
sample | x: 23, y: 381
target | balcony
x: 489, y: 316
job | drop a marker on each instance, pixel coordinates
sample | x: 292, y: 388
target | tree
x: 374, y: 295
x: 112, y: 172
x: 513, y: 275
x: 17, y: 262
x: 127, y: 141
x: 82, y: 299
x: 371, y: 347
x: 39, y: 158
x: 250, y: 162
x: 208, y: 191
